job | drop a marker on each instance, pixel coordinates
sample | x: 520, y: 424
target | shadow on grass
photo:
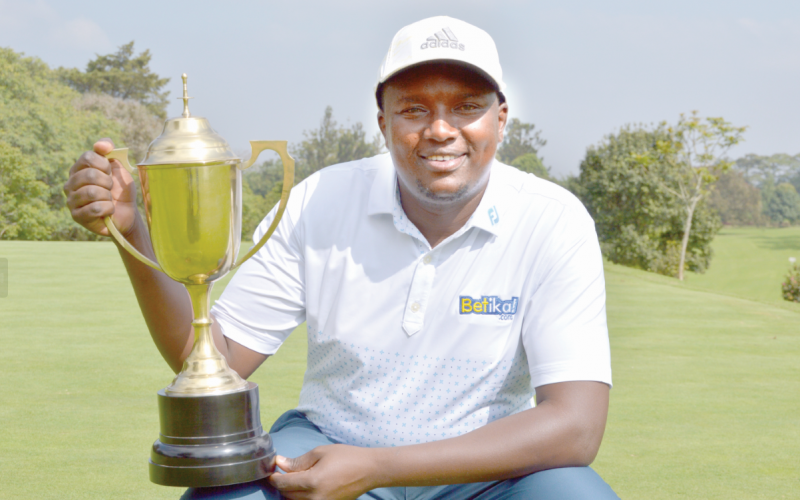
x: 789, y: 241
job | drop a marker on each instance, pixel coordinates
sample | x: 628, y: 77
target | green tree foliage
x: 695, y: 151
x: 329, y: 144
x: 519, y: 139
x: 778, y: 168
x: 531, y: 163
x: 138, y: 126
x: 122, y: 75
x: 772, y: 175
x: 38, y: 120
x: 24, y: 214
x: 627, y: 184
x: 781, y: 203
x: 737, y: 201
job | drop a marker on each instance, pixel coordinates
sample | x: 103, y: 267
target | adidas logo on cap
x: 410, y: 46
x: 443, y: 38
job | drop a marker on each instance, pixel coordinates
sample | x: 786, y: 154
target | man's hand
x: 327, y: 472
x: 97, y: 188
x: 563, y: 430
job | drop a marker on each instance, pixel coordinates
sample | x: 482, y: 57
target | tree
x: 737, y: 201
x: 781, y: 203
x: 696, y: 151
x: 519, y: 139
x: 332, y: 143
x: 779, y: 167
x: 24, y: 214
x: 329, y: 144
x: 624, y: 183
x: 531, y: 163
x: 121, y: 75
x: 139, y: 127
x: 40, y: 122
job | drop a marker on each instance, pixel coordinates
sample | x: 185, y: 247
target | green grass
x: 79, y: 376
x: 750, y: 263
x: 705, y: 402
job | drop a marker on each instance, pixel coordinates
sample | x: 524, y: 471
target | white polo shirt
x: 408, y: 344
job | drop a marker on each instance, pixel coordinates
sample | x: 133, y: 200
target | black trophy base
x: 211, y: 440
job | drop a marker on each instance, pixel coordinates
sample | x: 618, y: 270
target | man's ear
x: 502, y: 120
x: 382, y: 123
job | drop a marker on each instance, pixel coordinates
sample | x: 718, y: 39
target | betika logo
x: 444, y: 38
x: 491, y: 305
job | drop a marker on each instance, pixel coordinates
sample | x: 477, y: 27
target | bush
x: 791, y: 285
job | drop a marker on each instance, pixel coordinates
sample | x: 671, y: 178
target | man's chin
x: 442, y: 194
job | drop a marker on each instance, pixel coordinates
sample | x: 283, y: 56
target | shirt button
x: 415, y: 306
x: 427, y: 259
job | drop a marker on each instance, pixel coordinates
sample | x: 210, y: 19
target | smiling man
x: 442, y: 291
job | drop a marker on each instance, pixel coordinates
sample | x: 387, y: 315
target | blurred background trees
x: 42, y: 132
x: 122, y: 75
x: 640, y: 183
x: 329, y: 144
x: 520, y: 148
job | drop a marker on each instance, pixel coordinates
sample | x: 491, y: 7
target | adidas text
x: 443, y: 44
x: 443, y: 38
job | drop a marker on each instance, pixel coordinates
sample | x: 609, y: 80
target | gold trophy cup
x: 191, y: 181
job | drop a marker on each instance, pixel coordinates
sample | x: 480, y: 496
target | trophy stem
x: 206, y: 370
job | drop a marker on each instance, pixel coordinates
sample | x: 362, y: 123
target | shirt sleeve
x: 265, y: 301
x: 565, y: 332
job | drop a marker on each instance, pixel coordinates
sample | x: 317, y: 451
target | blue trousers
x: 293, y: 435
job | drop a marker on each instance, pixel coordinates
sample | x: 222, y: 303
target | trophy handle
x: 121, y: 155
x: 288, y: 181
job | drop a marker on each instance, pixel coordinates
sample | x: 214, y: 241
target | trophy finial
x: 185, y: 97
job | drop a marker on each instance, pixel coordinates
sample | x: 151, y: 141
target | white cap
x: 443, y: 38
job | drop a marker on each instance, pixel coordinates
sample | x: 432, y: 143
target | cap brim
x: 498, y: 86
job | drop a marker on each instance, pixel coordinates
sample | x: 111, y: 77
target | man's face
x: 442, y: 125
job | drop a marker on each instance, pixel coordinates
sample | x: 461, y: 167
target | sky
x: 578, y: 70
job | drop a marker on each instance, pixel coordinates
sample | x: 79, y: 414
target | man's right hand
x: 97, y: 188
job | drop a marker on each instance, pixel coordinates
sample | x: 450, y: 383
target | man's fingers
x: 290, y: 481
x: 103, y: 146
x: 301, y: 463
x: 87, y: 194
x: 90, y: 159
x: 92, y: 211
x: 88, y: 177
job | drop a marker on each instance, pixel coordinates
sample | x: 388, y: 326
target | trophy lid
x: 188, y: 139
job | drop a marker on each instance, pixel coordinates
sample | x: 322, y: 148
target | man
x: 439, y: 287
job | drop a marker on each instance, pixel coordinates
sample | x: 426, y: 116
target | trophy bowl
x: 211, y: 433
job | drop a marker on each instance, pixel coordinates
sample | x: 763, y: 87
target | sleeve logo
x: 491, y: 305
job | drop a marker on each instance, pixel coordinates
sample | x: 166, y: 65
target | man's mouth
x: 441, y: 157
x: 444, y: 162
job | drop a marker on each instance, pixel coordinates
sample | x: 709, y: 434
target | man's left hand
x: 327, y: 472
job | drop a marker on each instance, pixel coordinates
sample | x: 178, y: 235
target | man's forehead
x: 442, y: 74
x: 408, y: 95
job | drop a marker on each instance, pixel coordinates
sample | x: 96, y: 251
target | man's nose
x: 440, y: 130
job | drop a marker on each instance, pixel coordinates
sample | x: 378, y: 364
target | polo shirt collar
x: 488, y: 215
x: 381, y: 195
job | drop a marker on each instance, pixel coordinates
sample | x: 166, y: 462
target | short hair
x: 501, y: 98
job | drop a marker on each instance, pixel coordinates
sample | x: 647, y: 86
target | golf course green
x: 705, y: 404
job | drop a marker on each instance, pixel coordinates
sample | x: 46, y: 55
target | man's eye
x: 413, y: 110
x: 468, y: 107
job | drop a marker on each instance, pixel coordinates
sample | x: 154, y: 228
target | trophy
x: 191, y: 181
